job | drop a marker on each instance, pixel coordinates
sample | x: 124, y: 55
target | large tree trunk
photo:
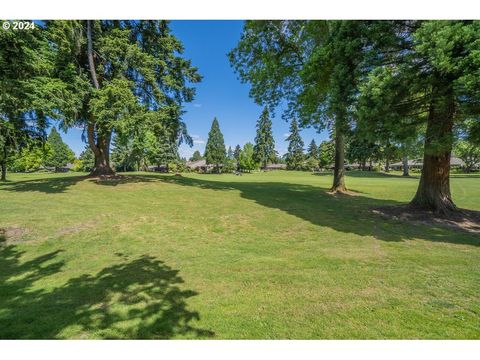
x: 100, y: 148
x: 4, y: 164
x: 387, y: 165
x: 102, y: 157
x: 339, y: 169
x: 433, y: 193
x: 4, y: 171
x: 405, y: 166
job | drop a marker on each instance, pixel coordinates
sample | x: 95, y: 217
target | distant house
x: 276, y: 167
x: 347, y: 166
x: 161, y: 168
x: 412, y: 164
x: 62, y: 169
x: 353, y: 166
x: 418, y: 164
x: 200, y: 165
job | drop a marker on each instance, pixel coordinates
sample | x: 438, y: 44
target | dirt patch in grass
x: 12, y: 234
x: 75, y: 228
x: 108, y: 178
x: 345, y: 193
x: 464, y: 220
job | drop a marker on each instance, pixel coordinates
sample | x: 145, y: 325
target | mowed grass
x: 258, y: 256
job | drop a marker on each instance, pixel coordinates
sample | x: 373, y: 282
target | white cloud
x: 197, y: 105
x: 197, y: 139
x: 286, y: 135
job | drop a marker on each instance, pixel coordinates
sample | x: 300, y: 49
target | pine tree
x: 236, y: 152
x: 60, y: 153
x: 326, y: 153
x: 215, y: 148
x: 313, y: 150
x: 294, y: 156
x: 87, y: 159
x: 230, y: 153
x: 196, y: 156
x: 264, y: 149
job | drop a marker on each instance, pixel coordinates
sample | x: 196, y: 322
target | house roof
x: 276, y: 166
x: 419, y: 162
x: 196, y: 164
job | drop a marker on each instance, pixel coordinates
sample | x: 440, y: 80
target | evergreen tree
x: 264, y: 149
x: 60, y: 153
x: 87, y: 159
x: 162, y: 149
x: 30, y: 95
x: 294, y: 156
x: 230, y: 153
x: 196, y: 156
x: 312, y: 65
x: 8, y: 145
x: 215, y: 148
x: 123, y: 156
x: 423, y: 73
x: 236, y: 152
x: 326, y: 153
x: 313, y: 151
x: 124, y: 74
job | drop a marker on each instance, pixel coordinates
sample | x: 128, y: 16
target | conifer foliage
x: 294, y: 156
x: 264, y: 149
x: 215, y: 153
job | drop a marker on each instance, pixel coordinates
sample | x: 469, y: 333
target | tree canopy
x: 125, y: 74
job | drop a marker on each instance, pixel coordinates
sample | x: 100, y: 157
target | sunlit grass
x: 263, y: 255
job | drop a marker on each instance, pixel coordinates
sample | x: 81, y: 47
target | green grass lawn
x: 259, y: 256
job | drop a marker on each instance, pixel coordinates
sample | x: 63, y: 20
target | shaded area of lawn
x: 344, y: 213
x: 48, y: 185
x: 136, y: 298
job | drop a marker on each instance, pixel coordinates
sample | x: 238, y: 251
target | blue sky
x: 219, y: 94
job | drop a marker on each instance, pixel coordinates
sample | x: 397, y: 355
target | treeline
x: 262, y: 153
x: 389, y: 82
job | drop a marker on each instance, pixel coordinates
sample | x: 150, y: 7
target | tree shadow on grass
x: 135, y: 299
x: 48, y: 185
x: 344, y: 213
x: 370, y: 174
x: 348, y: 214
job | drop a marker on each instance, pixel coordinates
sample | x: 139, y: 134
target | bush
x: 77, y: 165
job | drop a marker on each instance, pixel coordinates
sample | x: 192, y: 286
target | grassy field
x: 259, y: 256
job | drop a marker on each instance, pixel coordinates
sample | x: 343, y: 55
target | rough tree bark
x: 339, y: 169
x: 433, y: 193
x: 100, y: 144
x: 4, y: 171
x: 405, y: 166
x: 3, y: 165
